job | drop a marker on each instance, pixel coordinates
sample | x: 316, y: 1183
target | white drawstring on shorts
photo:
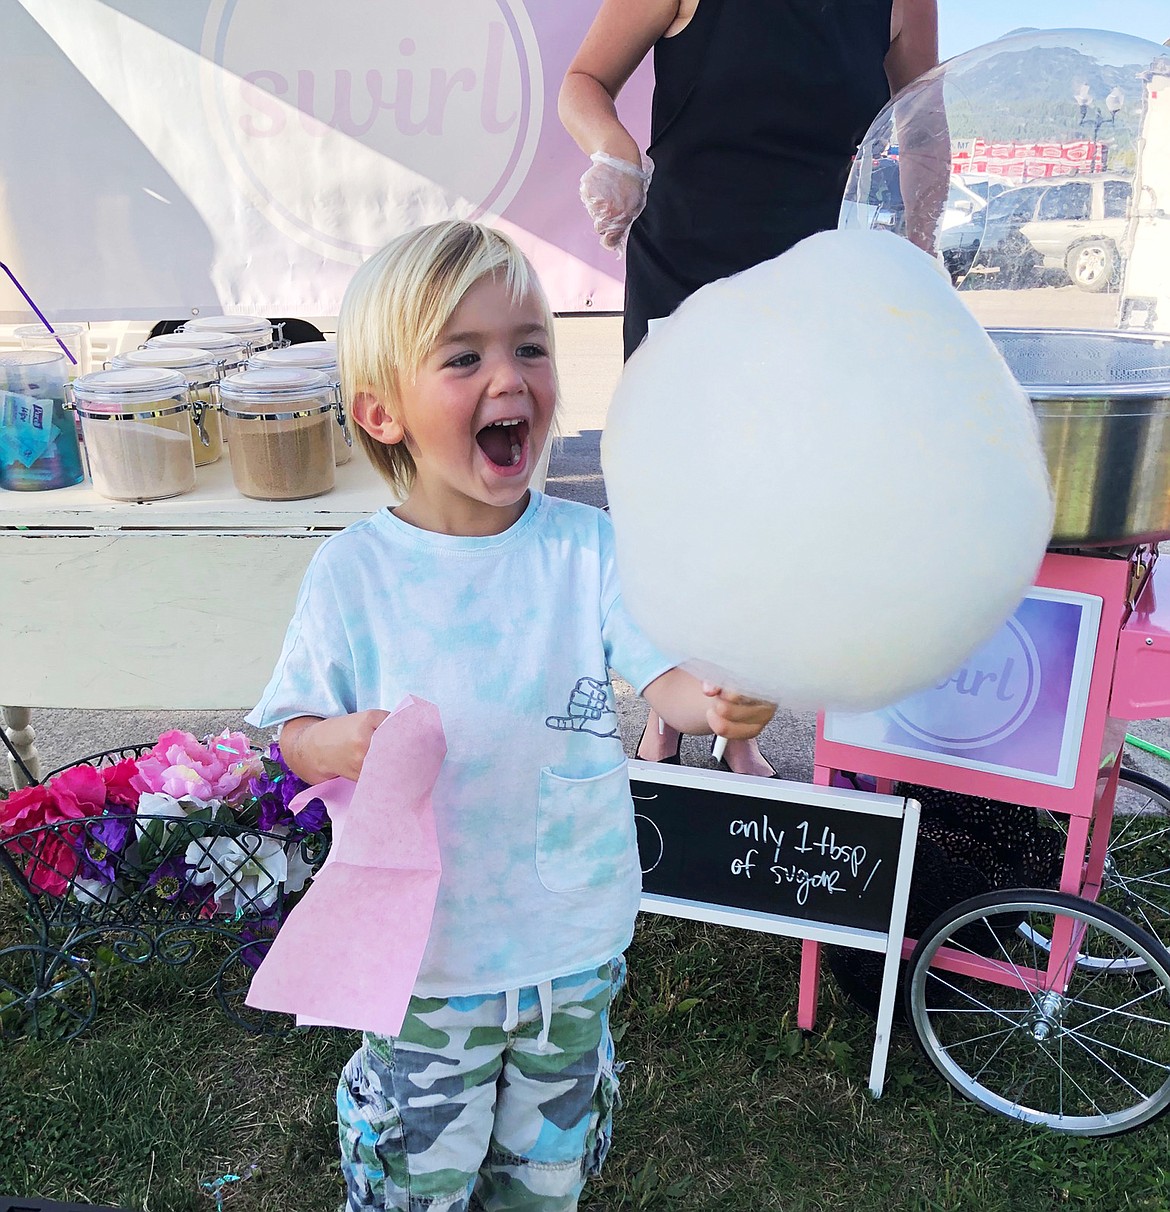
x: 512, y: 1012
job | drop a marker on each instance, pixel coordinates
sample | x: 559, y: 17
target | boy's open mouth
x: 503, y: 442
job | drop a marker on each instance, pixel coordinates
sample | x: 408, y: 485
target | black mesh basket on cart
x: 128, y: 887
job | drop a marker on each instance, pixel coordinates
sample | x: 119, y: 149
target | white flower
x: 155, y: 804
x: 95, y: 892
x: 247, y: 870
x: 298, y: 870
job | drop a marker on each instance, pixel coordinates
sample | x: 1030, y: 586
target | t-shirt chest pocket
x: 584, y: 830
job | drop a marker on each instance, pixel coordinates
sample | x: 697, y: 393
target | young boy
x: 502, y: 607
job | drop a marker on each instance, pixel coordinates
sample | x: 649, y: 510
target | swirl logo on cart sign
x: 985, y: 702
x: 346, y: 124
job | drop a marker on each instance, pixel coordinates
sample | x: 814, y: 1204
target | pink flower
x: 119, y: 788
x: 23, y: 809
x: 80, y: 791
x: 178, y: 765
x: 186, y: 782
x: 51, y: 854
x: 182, y: 767
x: 239, y: 764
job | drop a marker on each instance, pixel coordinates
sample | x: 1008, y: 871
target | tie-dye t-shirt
x: 512, y: 637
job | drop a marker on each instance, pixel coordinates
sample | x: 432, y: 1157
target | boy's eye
x: 462, y: 361
x: 532, y: 350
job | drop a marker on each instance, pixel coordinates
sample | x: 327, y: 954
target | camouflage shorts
x: 466, y: 1110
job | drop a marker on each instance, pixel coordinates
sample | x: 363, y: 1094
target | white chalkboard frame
x: 824, y: 800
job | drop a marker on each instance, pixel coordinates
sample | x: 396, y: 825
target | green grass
x: 726, y: 1105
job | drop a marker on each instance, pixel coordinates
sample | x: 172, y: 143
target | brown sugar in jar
x: 314, y: 355
x: 279, y: 427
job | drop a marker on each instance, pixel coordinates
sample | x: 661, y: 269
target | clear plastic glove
x: 614, y: 193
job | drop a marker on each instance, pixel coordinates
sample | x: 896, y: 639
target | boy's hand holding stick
x: 735, y: 717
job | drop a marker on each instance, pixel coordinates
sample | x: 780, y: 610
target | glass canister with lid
x: 137, y: 432
x: 314, y: 355
x: 230, y: 352
x: 279, y: 422
x: 71, y: 337
x: 200, y: 368
x: 38, y: 439
x: 255, y: 332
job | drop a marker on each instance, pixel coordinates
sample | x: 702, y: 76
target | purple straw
x: 40, y: 314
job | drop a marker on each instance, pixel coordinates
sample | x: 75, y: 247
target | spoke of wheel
x: 983, y: 1037
x: 1098, y: 973
x: 1140, y: 910
x: 1126, y: 881
x: 1131, y: 819
x: 983, y: 1009
x: 1058, y: 1063
x: 1123, y: 1010
x: 1060, y: 1080
x: 1115, y: 844
x: 1103, y: 1062
x: 937, y: 1010
x: 1011, y: 963
x: 983, y: 1068
x: 1080, y: 1037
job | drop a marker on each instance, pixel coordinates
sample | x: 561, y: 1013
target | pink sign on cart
x: 330, y: 965
x: 1016, y: 708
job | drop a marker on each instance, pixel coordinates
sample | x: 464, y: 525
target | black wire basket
x: 131, y: 887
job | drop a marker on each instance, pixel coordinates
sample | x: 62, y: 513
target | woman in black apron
x: 758, y: 108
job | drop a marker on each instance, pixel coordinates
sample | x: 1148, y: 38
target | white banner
x: 246, y: 155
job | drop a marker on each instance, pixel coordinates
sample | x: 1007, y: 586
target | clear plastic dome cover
x: 1038, y: 167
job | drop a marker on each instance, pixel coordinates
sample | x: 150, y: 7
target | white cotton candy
x: 827, y: 487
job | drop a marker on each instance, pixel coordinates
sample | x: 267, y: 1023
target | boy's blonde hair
x: 399, y: 302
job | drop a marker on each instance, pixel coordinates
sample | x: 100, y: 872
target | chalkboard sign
x: 810, y: 862
x: 770, y: 853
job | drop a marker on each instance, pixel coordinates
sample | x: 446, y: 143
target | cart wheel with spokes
x: 44, y: 993
x: 1136, y: 877
x: 1086, y: 1053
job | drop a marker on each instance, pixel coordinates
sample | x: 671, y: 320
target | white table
x: 181, y: 603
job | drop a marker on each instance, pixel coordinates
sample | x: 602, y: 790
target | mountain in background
x: 1028, y: 96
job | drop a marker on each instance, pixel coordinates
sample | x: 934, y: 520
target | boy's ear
x: 370, y: 411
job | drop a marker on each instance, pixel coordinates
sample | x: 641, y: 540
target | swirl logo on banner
x: 988, y: 700
x: 318, y: 95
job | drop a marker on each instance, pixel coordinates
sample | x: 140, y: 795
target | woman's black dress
x: 758, y: 108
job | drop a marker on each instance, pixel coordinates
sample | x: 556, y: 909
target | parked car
x: 985, y: 185
x: 1074, y: 224
x: 1079, y: 226
x: 990, y: 241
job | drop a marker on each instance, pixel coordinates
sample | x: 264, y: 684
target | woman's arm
x: 619, y: 39
x: 924, y: 140
x: 913, y: 41
x: 697, y: 707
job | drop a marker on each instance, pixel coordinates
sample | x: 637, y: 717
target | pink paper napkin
x: 349, y: 953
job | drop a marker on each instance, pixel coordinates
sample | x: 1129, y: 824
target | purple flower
x: 312, y: 817
x: 275, y: 789
x: 102, y: 845
x: 259, y: 934
x: 171, y: 881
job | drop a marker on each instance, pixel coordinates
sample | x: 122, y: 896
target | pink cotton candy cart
x: 1053, y: 1006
